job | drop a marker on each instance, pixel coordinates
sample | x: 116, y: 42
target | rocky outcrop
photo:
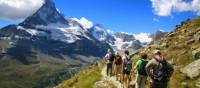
x: 192, y: 70
x: 158, y: 35
x: 125, y: 37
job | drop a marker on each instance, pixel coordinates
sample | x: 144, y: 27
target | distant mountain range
x: 120, y: 40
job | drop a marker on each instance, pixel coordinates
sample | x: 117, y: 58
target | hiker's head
x: 108, y: 51
x: 143, y: 55
x: 126, y: 52
x: 157, y: 54
x: 117, y: 53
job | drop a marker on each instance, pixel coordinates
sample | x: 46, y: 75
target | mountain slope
x: 47, y: 48
x: 178, y: 48
x: 126, y: 41
x: 101, y: 34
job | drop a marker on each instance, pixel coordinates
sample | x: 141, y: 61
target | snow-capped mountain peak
x: 49, y: 18
x: 99, y: 32
x: 85, y: 23
x: 47, y: 14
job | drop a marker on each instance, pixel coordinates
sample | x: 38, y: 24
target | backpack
x: 111, y: 58
x: 118, y: 60
x: 161, y: 72
x: 128, y: 64
x: 142, y: 68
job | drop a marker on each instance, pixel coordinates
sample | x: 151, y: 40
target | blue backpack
x: 128, y: 64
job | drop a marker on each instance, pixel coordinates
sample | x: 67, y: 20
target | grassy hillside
x: 84, y: 79
x: 177, y: 47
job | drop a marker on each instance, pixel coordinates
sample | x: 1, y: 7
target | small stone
x: 184, y: 83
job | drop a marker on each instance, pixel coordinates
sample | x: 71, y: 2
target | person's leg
x: 110, y: 69
x: 116, y: 72
x: 151, y: 85
x: 107, y: 69
x: 114, y: 69
x: 125, y: 80
x: 143, y: 81
x: 120, y: 73
x: 137, y: 81
x: 122, y: 76
x: 128, y: 78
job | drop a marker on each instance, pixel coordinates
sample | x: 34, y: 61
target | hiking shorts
x: 118, y: 69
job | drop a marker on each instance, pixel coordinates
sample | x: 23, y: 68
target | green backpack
x: 142, y: 68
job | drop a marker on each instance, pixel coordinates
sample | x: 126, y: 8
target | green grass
x: 84, y: 79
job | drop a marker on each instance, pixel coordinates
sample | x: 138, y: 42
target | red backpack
x: 118, y: 60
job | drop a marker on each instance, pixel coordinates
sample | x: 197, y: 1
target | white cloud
x: 84, y: 22
x: 143, y: 37
x: 18, y: 9
x: 167, y: 7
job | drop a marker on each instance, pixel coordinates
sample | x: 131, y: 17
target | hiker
x: 141, y: 75
x: 118, y: 65
x: 127, y: 68
x: 159, y: 71
x: 109, y: 58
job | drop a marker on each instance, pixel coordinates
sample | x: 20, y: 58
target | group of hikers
x: 156, y: 70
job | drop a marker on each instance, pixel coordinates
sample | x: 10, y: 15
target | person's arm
x: 114, y: 60
x: 113, y: 63
x: 171, y: 69
x: 122, y: 64
x: 148, y: 68
x: 106, y: 57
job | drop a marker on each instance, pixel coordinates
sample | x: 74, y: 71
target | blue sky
x: 132, y: 16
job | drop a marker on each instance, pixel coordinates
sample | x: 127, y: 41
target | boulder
x: 196, y: 53
x: 192, y: 70
x: 191, y: 41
